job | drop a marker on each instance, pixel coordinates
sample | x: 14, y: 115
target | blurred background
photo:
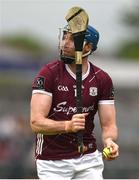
x: 29, y: 39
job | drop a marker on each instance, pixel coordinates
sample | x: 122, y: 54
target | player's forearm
x: 40, y: 124
x: 109, y: 133
x: 48, y: 126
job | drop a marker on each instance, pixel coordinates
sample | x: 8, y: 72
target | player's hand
x: 76, y: 123
x: 114, y: 149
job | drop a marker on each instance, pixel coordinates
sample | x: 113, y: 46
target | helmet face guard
x: 91, y: 36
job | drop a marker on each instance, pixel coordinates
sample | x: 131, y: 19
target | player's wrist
x: 107, y: 141
x: 68, y: 126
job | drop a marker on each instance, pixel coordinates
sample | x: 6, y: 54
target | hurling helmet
x: 91, y: 36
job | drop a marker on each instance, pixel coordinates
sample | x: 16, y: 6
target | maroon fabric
x: 54, y: 78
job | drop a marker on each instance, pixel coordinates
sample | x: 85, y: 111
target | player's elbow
x: 34, y: 125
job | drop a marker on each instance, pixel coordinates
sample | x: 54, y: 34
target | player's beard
x: 67, y: 54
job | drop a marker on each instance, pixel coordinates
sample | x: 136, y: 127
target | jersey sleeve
x: 106, y: 95
x: 43, y: 82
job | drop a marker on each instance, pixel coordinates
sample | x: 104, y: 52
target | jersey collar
x: 74, y: 76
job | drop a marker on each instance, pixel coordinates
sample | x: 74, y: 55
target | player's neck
x: 84, y: 67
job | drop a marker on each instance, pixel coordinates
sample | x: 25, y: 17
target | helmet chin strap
x: 70, y: 60
x: 86, y: 54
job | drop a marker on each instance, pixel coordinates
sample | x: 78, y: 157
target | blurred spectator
x: 15, y: 146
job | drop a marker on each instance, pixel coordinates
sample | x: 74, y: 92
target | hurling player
x: 54, y: 116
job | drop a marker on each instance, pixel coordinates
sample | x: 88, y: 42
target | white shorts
x: 88, y: 166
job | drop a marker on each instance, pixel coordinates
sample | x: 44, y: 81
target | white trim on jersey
x: 39, y: 143
x: 38, y: 91
x: 106, y: 102
x: 95, y: 76
x: 74, y: 76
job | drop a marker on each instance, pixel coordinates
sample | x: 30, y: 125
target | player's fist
x: 113, y: 148
x: 76, y: 123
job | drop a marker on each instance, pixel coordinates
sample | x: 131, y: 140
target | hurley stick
x: 77, y: 20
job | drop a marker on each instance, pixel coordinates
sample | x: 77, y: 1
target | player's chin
x: 68, y: 53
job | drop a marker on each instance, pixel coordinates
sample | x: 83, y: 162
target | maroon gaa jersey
x: 57, y: 80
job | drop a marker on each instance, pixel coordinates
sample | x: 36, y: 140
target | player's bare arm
x: 107, y: 117
x: 41, y: 123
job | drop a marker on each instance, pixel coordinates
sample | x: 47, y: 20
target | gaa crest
x: 93, y: 91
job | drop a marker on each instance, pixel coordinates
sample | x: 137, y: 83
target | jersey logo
x: 39, y: 83
x: 93, y: 91
x: 62, y: 88
x: 65, y: 108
